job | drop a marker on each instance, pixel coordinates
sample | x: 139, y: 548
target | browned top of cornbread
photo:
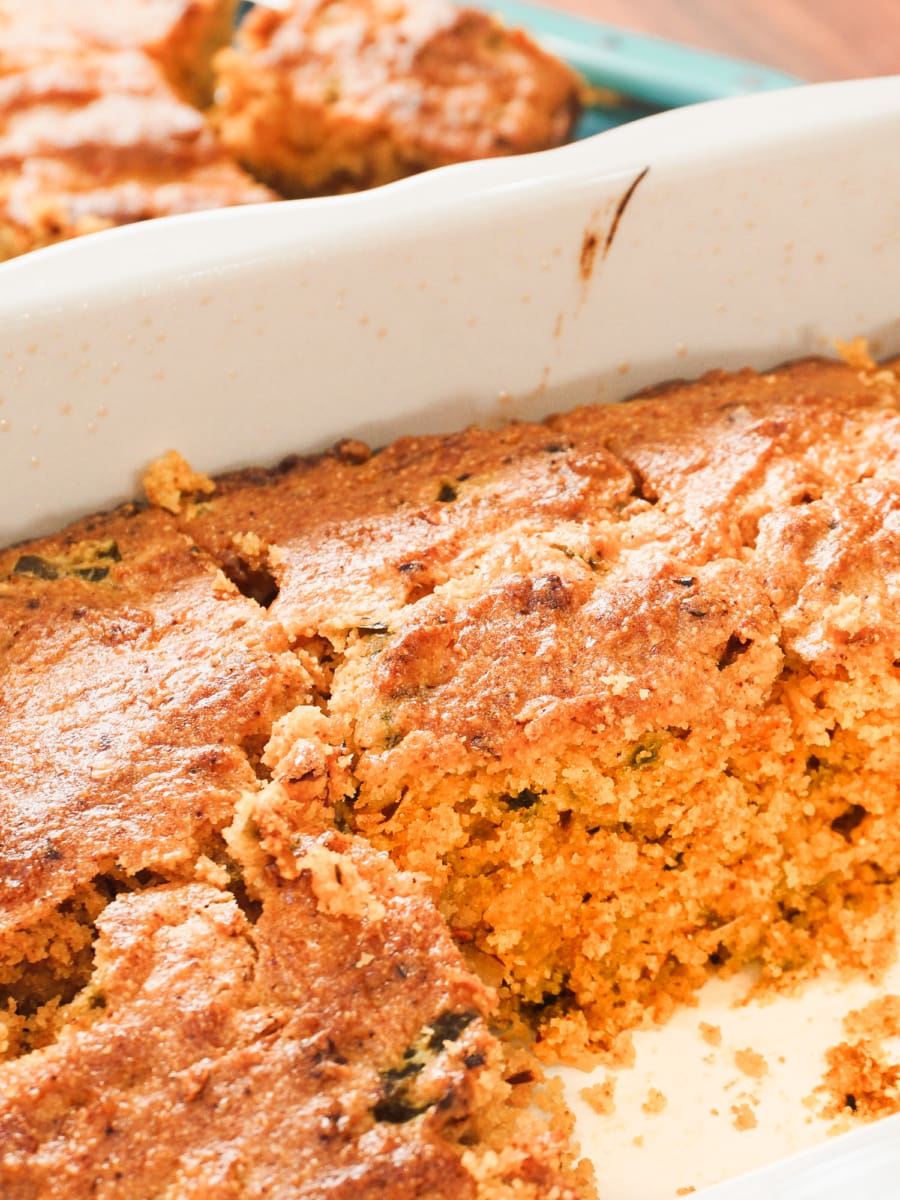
x: 595, y: 571
x: 359, y: 537
x: 135, y: 685
x: 181, y: 34
x: 334, y: 1045
x: 91, y: 139
x: 330, y: 94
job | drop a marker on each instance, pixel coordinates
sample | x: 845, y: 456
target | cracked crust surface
x: 622, y: 687
x: 305, y: 1053
x: 134, y: 679
x: 331, y: 96
x: 181, y: 942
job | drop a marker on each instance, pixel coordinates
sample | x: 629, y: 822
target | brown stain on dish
x: 590, y: 242
x: 588, y: 254
x: 620, y: 210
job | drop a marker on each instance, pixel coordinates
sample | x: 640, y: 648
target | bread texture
x: 622, y: 685
x: 91, y: 139
x: 204, y: 988
x: 330, y: 1043
x: 330, y: 96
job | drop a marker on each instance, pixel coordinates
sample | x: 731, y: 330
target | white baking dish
x: 747, y: 231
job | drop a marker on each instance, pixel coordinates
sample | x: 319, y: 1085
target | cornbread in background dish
x: 622, y: 685
x: 182, y: 35
x: 91, y: 139
x: 333, y: 96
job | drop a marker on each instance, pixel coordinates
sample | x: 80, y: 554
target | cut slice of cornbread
x: 93, y: 139
x: 335, y: 95
x: 623, y: 685
x: 182, y: 35
x: 327, y: 1041
x: 137, y: 689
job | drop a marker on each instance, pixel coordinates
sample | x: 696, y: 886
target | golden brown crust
x: 94, y: 139
x: 622, y: 686
x: 302, y: 1054
x: 329, y: 97
x: 326, y: 1040
x: 132, y: 673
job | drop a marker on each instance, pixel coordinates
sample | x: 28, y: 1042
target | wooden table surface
x: 815, y: 39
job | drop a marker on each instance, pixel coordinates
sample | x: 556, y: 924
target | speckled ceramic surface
x: 748, y: 231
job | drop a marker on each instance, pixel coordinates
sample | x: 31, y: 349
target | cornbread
x: 862, y: 1082
x: 622, y: 685
x: 181, y: 35
x: 93, y: 139
x: 204, y: 989
x: 620, y: 688
x: 336, y: 95
x: 312, y: 1048
x: 111, y: 707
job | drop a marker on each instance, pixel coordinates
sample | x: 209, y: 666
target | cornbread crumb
x: 879, y: 1019
x: 655, y: 1103
x: 685, y: 1191
x: 601, y: 1096
x: 744, y: 1117
x: 338, y: 885
x: 861, y: 1084
x: 855, y: 354
x: 711, y: 1034
x: 213, y: 873
x: 751, y: 1063
x: 170, y: 479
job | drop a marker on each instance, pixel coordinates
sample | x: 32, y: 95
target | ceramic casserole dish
x: 743, y: 232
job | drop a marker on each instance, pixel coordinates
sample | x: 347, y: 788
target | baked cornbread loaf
x: 204, y: 989
x: 335, y: 96
x: 621, y: 688
x: 182, y: 35
x: 94, y: 139
x: 623, y: 685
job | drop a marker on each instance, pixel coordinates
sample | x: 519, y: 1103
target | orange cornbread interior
x: 622, y: 685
